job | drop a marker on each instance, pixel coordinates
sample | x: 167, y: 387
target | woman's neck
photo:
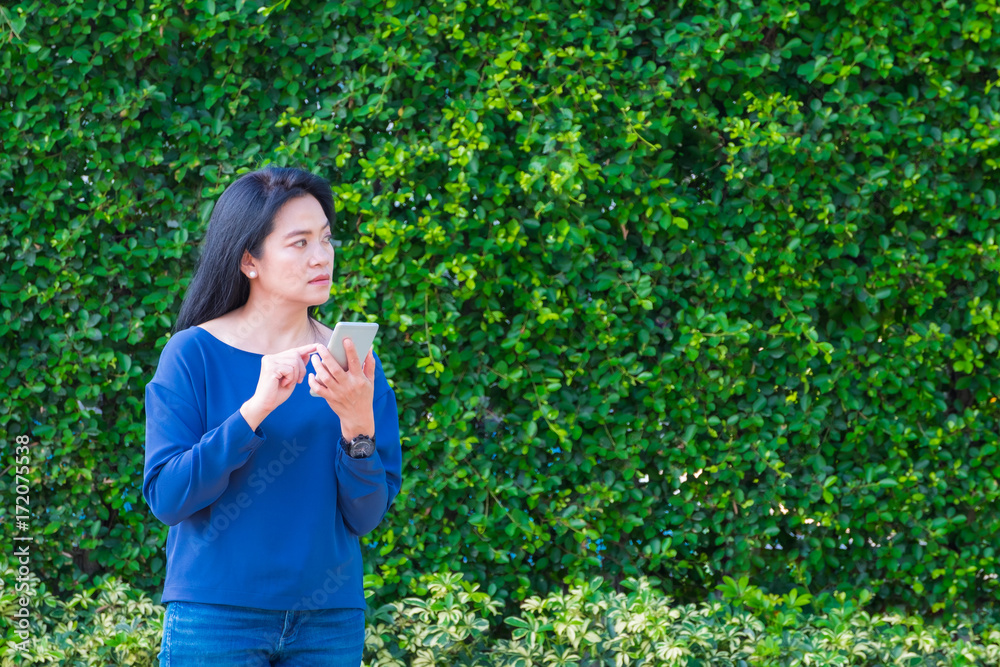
x: 271, y: 331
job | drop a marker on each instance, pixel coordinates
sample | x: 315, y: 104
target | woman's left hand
x: 349, y: 393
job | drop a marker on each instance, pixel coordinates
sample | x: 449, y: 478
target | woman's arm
x: 367, y: 487
x: 187, y: 469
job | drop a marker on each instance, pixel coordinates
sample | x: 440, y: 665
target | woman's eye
x: 328, y: 239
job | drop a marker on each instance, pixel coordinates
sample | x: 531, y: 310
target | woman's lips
x: 319, y: 281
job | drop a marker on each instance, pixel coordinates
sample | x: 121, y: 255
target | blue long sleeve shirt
x: 267, y: 518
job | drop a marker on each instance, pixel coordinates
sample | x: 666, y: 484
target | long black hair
x: 241, y: 219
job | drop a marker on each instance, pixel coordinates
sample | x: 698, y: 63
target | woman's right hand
x: 279, y: 373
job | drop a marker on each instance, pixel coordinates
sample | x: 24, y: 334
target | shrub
x: 107, y: 623
x: 449, y: 622
x: 590, y: 625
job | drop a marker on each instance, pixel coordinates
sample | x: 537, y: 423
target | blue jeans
x: 196, y: 633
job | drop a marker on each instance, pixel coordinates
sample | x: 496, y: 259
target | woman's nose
x: 323, y: 255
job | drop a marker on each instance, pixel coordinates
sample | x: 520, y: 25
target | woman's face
x: 298, y: 250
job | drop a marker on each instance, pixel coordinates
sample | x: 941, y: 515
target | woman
x: 266, y: 488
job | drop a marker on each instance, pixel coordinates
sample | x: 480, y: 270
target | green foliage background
x: 685, y: 289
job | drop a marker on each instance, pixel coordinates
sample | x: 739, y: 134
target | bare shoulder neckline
x: 326, y: 334
x: 222, y: 342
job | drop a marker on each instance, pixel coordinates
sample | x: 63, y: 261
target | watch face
x: 363, y: 447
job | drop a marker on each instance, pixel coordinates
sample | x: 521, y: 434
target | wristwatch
x: 359, y: 447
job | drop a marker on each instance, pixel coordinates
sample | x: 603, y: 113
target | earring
x: 253, y: 274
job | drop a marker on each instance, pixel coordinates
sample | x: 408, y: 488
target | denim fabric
x: 196, y: 633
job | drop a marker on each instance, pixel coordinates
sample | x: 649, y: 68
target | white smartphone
x: 362, y: 334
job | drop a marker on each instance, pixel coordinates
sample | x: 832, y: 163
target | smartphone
x: 362, y: 334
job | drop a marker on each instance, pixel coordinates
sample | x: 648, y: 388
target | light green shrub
x: 450, y: 622
x: 590, y: 625
x: 109, y: 623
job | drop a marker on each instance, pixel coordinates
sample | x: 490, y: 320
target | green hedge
x: 679, y: 289
x: 448, y: 621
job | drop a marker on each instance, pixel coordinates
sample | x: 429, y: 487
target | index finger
x: 306, y: 350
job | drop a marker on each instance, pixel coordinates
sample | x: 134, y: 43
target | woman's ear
x: 247, y: 265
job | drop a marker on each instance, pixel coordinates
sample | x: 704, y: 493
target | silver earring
x: 253, y: 274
